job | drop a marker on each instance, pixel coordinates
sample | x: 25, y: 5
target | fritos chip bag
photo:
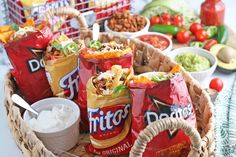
x: 99, y: 58
x: 25, y: 49
x: 157, y: 95
x: 109, y: 112
x: 62, y: 66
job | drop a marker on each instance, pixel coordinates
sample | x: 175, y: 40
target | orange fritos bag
x: 109, y: 112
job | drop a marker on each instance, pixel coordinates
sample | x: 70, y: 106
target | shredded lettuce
x: 15, y: 27
x: 159, y: 78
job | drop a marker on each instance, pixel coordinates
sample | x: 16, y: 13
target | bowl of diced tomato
x: 157, y: 40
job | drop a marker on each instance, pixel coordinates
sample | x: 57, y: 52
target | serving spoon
x: 22, y: 103
x: 96, y: 30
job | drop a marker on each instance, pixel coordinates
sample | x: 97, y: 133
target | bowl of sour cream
x: 57, y: 124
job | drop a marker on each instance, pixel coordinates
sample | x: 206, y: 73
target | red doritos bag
x: 91, y: 66
x: 156, y: 96
x: 25, y: 55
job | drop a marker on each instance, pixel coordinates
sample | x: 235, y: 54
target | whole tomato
x: 201, y: 35
x: 209, y: 44
x: 178, y: 24
x: 165, y: 17
x: 216, y: 84
x: 183, y: 36
x: 166, y: 22
x: 195, y: 27
x: 177, y: 20
x: 155, y: 20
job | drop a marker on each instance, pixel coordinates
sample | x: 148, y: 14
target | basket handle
x: 156, y: 127
x: 67, y: 11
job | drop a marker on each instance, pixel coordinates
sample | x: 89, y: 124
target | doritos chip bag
x: 25, y: 54
x: 100, y: 58
x: 158, y: 95
x: 109, y: 112
x: 62, y: 66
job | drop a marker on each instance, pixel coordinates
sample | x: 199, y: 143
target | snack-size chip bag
x: 109, y: 112
x: 25, y: 54
x: 99, y: 58
x: 158, y: 95
x: 62, y: 66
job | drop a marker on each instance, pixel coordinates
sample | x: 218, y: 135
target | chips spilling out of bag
x: 100, y: 57
x: 62, y: 66
x: 14, y: 32
x: 158, y: 95
x: 109, y: 106
x: 62, y: 47
x: 25, y: 54
x: 105, y: 50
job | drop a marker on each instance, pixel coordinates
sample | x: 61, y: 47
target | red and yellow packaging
x: 25, y: 55
x: 109, y: 112
x: 62, y: 66
x: 92, y: 62
x: 158, y: 98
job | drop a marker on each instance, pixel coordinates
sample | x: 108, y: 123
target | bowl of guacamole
x: 198, y: 62
x: 193, y: 62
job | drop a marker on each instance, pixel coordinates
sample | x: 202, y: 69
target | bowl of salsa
x: 157, y: 40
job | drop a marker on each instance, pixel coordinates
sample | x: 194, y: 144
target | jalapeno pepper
x: 70, y: 49
x: 119, y: 89
x: 222, y: 35
x: 95, y: 44
x: 167, y: 29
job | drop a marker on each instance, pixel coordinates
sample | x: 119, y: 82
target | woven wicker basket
x: 146, y: 59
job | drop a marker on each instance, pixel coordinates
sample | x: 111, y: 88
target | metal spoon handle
x: 21, y: 102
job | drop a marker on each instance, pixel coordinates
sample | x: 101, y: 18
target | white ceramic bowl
x: 128, y: 34
x: 168, y: 49
x: 62, y: 140
x: 201, y: 75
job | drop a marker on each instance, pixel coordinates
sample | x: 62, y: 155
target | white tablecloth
x: 7, y: 145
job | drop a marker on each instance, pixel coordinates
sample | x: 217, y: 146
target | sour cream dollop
x: 56, y: 119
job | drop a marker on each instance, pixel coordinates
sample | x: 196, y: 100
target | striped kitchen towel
x: 225, y: 123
